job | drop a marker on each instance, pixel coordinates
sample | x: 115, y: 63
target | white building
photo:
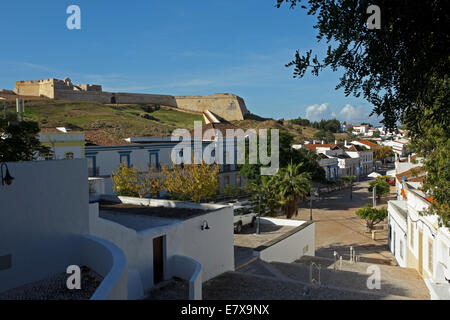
x: 416, y: 239
x: 47, y: 224
x: 63, y: 144
x: 398, y: 146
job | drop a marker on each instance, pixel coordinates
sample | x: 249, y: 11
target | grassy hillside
x: 133, y: 120
x: 122, y: 121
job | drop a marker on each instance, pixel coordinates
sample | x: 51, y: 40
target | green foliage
x: 129, y: 182
x: 282, y: 191
x: 435, y: 146
x: 233, y: 191
x: 301, y: 122
x: 292, y: 185
x: 373, y: 216
x: 325, y: 135
x: 380, y: 153
x: 265, y: 195
x: 401, y: 69
x: 288, y: 155
x: 19, y: 142
x: 381, y: 186
x: 191, y: 182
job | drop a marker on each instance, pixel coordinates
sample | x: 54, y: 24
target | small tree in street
x: 292, y: 185
x: 381, y: 187
x: 373, y: 216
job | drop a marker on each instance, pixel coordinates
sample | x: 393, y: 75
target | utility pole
x: 374, y: 195
x: 258, y: 229
x: 351, y: 189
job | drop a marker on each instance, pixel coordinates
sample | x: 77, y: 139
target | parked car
x: 243, y: 216
x: 391, y: 181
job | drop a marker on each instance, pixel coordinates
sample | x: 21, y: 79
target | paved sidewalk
x: 338, y: 227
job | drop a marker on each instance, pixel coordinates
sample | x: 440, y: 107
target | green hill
x: 125, y: 121
x: 122, y: 121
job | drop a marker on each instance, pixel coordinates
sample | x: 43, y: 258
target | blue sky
x: 178, y: 47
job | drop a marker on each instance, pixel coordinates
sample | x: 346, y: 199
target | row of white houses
x: 415, y: 239
x: 140, y: 153
x: 342, y: 159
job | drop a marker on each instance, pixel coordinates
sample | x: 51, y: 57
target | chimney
x: 409, y: 158
x: 345, y: 143
x: 335, y: 142
x: 323, y: 142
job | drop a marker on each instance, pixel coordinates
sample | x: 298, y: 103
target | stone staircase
x: 347, y: 281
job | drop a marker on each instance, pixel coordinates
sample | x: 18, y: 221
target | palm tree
x: 292, y: 185
x: 265, y: 197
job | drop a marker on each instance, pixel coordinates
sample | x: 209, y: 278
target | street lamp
x: 7, y: 178
x: 258, y: 229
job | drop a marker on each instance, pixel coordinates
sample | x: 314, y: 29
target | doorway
x: 158, y: 259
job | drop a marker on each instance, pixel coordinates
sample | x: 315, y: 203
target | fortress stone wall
x: 225, y: 105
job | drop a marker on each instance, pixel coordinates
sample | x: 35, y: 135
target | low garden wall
x: 290, y: 246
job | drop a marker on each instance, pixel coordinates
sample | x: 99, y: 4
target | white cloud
x: 318, y: 112
x: 350, y: 113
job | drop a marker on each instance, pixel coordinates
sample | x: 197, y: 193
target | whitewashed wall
x: 43, y: 215
x: 213, y: 248
x: 292, y: 247
x: 398, y: 232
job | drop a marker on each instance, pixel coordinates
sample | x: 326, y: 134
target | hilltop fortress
x: 226, y: 105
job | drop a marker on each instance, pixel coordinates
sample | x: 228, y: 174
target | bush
x: 372, y: 216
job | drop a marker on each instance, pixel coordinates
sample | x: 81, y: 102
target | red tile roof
x: 102, y: 138
x: 416, y: 174
x: 368, y: 143
x: 313, y: 147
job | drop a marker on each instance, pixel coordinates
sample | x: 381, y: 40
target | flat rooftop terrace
x: 157, y: 212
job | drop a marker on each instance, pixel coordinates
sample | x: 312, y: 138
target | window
x: 238, y: 180
x: 125, y: 158
x: 430, y: 255
x: 154, y: 159
x: 68, y: 155
x: 93, y: 171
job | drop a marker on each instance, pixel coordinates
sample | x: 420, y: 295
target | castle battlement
x: 226, y: 105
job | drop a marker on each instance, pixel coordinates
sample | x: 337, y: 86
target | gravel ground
x: 236, y: 286
x: 175, y: 289
x: 55, y: 288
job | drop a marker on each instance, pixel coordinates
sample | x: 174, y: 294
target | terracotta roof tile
x: 313, y: 147
x: 368, y: 143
